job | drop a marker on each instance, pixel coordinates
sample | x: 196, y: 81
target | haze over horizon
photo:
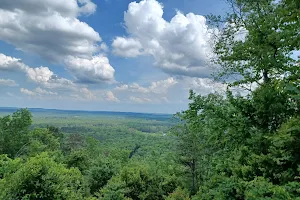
x: 107, y: 55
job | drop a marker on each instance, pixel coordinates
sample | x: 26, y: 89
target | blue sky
x: 115, y: 55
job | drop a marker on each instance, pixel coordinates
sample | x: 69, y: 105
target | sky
x: 110, y: 55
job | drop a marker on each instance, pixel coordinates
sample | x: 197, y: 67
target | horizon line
x: 1, y: 107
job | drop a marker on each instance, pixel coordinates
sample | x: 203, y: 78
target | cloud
x: 87, y: 94
x: 44, y: 92
x: 127, y: 47
x: 37, y: 92
x: 52, y: 29
x: 8, y: 63
x: 63, y: 7
x: 181, y: 46
x: 162, y: 86
x: 46, y: 78
x: 140, y: 99
x: 155, y: 92
x: 134, y: 87
x: 204, y: 85
x: 84, y: 94
x: 92, y: 70
x: 27, y: 92
x: 49, y: 28
x: 111, y: 97
x: 64, y: 89
x: 59, y: 83
x: 8, y: 82
x: 87, y: 7
x: 170, y: 90
x: 39, y: 75
x: 155, y: 87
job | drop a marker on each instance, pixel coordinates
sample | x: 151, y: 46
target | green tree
x: 40, y: 140
x: 78, y: 158
x: 139, y: 181
x: 42, y: 178
x: 13, y: 132
x: 56, y: 132
x: 178, y: 194
x: 257, y: 40
x: 245, y: 138
x: 216, y: 128
x: 100, y: 172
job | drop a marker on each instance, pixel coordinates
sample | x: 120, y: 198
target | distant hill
x: 42, y: 111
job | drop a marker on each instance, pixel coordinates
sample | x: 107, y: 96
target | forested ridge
x: 244, y: 144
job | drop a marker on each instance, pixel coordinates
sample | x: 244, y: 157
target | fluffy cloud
x: 92, y: 70
x: 51, y: 29
x: 163, y: 85
x: 27, y: 92
x: 8, y: 63
x: 181, y: 46
x: 40, y: 75
x: 204, y: 85
x: 127, y: 47
x: 132, y: 88
x: 157, y: 87
x: 64, y: 88
x: 8, y: 82
x: 111, y: 97
x: 170, y: 90
x: 87, y: 7
x: 46, y: 78
x: 63, y: 7
x: 37, y: 92
x: 48, y: 28
x: 155, y: 92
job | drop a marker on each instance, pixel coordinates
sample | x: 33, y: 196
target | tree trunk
x: 194, y: 177
x: 266, y: 76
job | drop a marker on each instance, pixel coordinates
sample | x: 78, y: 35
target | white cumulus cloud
x: 40, y: 75
x: 92, y: 70
x: 8, y: 63
x: 49, y: 28
x: 181, y: 46
x: 163, y: 85
x: 155, y: 92
x: 127, y: 47
x: 52, y: 29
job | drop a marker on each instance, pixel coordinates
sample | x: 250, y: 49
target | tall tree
x: 240, y: 135
x: 257, y: 39
x: 14, y: 130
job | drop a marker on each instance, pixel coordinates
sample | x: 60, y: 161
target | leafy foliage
x: 13, y: 132
x: 42, y: 178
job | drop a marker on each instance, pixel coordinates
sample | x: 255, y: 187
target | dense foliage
x: 224, y: 146
x: 110, y: 159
